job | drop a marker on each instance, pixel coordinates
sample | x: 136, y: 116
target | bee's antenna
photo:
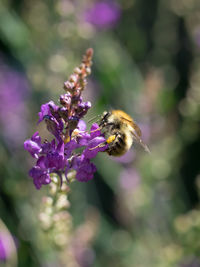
x: 99, y: 145
x: 94, y: 118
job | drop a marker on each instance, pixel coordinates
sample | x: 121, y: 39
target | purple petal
x: 95, y: 145
x: 36, y: 138
x: 66, y: 99
x: 83, y: 108
x: 94, y: 132
x: 81, y: 125
x: 46, y: 110
x: 54, y: 126
x: 39, y: 176
x: 70, y: 146
x: 83, y: 139
x: 55, y: 157
x: 84, y: 168
x: 41, y: 162
x: 60, y: 148
x: 47, y: 146
x: 32, y: 147
x: 83, y: 176
x: 54, y: 161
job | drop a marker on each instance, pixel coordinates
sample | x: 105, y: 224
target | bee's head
x: 105, y: 115
x: 104, y: 118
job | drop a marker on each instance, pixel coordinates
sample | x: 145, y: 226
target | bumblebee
x: 120, y: 132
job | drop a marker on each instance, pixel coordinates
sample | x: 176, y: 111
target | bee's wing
x: 139, y: 141
x: 136, y: 132
x: 134, y: 126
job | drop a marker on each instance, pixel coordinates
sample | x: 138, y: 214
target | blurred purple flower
x: 2, y: 249
x: 13, y: 113
x: 7, y: 245
x: 129, y: 179
x: 103, y: 14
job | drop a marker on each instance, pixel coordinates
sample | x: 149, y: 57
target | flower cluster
x: 65, y: 123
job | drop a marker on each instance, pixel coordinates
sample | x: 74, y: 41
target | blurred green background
x: 140, y: 210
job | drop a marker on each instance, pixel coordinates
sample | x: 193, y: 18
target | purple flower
x: 51, y: 159
x: 40, y: 176
x: 61, y: 158
x: 47, y: 110
x: 65, y: 123
x: 103, y: 14
x: 7, y: 245
x: 33, y: 145
x: 84, y: 168
x: 81, y: 125
x: 55, y: 158
x: 50, y: 113
x: 2, y: 251
x: 93, y: 143
x: 94, y: 146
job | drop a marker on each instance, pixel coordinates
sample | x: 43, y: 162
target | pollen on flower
x: 67, y: 139
x: 65, y: 122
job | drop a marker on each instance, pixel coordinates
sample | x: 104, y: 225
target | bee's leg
x: 98, y: 129
x: 105, y: 127
x: 108, y: 141
x: 111, y: 142
x: 116, y: 143
x: 99, y: 145
x: 111, y: 139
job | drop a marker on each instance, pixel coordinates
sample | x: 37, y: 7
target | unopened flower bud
x: 54, y: 179
x: 62, y: 202
x: 77, y: 71
x: 53, y: 189
x: 82, y: 66
x: 69, y: 86
x: 88, y: 70
x: 73, y: 78
x: 89, y: 53
x: 48, y: 201
x: 65, y: 99
x: 45, y: 220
